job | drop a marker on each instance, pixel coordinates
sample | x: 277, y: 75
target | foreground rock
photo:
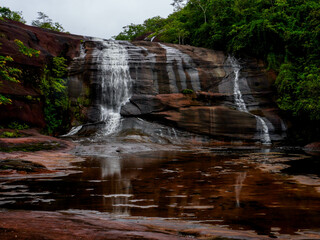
x: 34, y: 154
x: 20, y: 166
x: 313, y: 148
x: 32, y: 141
x: 90, y: 225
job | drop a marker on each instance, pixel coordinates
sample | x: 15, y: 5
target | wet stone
x: 21, y: 165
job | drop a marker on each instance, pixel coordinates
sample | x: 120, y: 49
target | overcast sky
x: 96, y: 18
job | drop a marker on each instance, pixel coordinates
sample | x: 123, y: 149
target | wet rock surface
x: 31, y: 141
x: 68, y: 225
x: 160, y: 72
x: 34, y: 153
x: 20, y: 165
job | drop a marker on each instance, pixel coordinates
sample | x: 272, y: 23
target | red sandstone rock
x: 50, y: 44
x: 313, y: 148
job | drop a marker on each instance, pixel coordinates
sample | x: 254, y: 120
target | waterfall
x: 184, y: 63
x: 115, y: 82
x: 241, y: 105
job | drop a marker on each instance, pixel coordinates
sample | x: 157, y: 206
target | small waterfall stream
x: 175, y: 56
x: 241, y: 105
x: 115, y: 80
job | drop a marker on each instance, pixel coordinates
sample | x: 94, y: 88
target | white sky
x: 96, y: 18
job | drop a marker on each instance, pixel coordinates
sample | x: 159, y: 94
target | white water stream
x: 113, y: 81
x: 114, y: 76
x: 241, y: 105
x: 184, y: 64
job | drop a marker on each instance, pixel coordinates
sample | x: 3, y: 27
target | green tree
x: 54, y: 89
x: 43, y: 21
x: 130, y: 32
x: 7, y: 73
x: 203, y: 5
x: 178, y: 4
x: 6, y: 13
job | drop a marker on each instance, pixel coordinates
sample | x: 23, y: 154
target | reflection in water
x: 111, y: 167
x: 118, y: 192
x: 198, y: 186
x: 239, y: 183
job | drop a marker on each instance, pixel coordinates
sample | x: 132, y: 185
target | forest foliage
x: 6, y: 13
x: 53, y: 86
x: 43, y: 21
x: 284, y: 33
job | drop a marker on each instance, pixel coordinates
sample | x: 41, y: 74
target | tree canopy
x: 6, y: 13
x: 43, y: 21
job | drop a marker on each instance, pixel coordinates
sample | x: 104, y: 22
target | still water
x: 266, y: 190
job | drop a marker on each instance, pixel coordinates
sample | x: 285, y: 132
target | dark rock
x: 20, y: 165
x: 130, y: 109
x: 215, y: 121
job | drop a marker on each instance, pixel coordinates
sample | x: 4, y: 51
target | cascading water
x: 181, y: 60
x: 115, y: 80
x: 241, y: 105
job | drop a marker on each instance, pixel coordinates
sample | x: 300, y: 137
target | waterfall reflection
x: 111, y: 167
x: 117, y: 193
x: 238, y: 186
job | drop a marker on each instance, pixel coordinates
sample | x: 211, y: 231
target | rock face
x: 27, y: 104
x: 160, y: 72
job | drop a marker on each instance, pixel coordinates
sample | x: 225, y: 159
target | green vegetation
x: 6, y: 13
x: 52, y: 82
x: 15, y: 132
x: 83, y: 102
x: 30, y: 52
x: 187, y: 91
x: 53, y: 87
x: 7, y: 134
x: 43, y: 21
x: 284, y: 33
x: 151, y: 26
x: 18, y: 126
x: 7, y: 73
x: 12, y: 74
